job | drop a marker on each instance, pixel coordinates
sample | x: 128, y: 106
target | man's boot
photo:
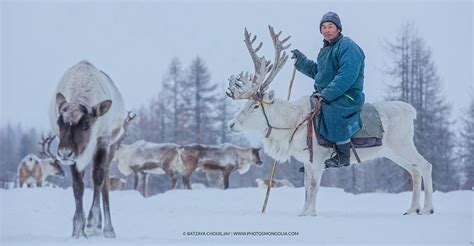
x: 342, y: 157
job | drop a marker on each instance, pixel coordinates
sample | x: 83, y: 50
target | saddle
x: 369, y: 135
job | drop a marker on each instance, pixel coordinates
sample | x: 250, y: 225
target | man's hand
x: 321, y: 99
x: 297, y: 54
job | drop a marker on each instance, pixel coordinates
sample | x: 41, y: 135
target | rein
x: 309, y: 118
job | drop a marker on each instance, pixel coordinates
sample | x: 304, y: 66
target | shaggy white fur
x: 397, y: 120
x: 87, y: 85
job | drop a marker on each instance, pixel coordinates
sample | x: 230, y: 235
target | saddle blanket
x: 370, y: 133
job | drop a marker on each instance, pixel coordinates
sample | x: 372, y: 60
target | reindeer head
x: 52, y: 167
x: 30, y: 160
x: 255, y: 153
x: 247, y: 157
x: 253, y: 87
x: 50, y: 164
x: 75, y: 124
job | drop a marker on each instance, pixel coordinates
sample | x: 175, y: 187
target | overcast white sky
x: 134, y: 43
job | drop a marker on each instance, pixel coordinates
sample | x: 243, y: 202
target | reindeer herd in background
x: 143, y: 158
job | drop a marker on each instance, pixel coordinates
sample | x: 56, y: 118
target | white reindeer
x: 87, y: 115
x: 262, y: 113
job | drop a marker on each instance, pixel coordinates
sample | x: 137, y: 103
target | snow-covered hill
x: 43, y: 216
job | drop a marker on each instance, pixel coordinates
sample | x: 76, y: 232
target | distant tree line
x: 188, y: 108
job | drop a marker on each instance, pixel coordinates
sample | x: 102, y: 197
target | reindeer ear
x: 269, y: 97
x: 101, y: 108
x: 60, y: 99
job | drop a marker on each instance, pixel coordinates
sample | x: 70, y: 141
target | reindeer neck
x: 285, y: 115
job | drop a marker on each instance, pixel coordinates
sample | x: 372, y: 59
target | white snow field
x: 43, y: 216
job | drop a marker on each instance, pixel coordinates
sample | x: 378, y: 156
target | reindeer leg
x: 135, y: 183
x: 94, y: 220
x: 173, y: 179
x: 78, y: 188
x: 108, y: 228
x: 416, y: 163
x: 312, y: 179
x: 145, y: 184
x: 416, y: 179
x: 226, y: 179
x: 415, y: 200
x: 428, y: 187
x: 187, y: 181
x: 425, y: 168
x: 308, y: 188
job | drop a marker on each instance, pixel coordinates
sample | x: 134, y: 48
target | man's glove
x: 297, y: 54
x: 322, y: 100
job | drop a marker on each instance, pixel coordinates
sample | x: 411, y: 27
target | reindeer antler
x: 280, y: 59
x: 126, y: 123
x: 130, y: 117
x: 253, y: 86
x: 46, y: 145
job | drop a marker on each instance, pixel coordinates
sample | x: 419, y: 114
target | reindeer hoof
x: 78, y: 234
x: 307, y: 213
x: 92, y: 231
x: 412, y: 211
x: 427, y: 211
x: 109, y: 233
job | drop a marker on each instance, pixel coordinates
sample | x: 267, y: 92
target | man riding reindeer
x: 338, y: 80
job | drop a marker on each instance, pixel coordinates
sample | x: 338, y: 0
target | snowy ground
x: 43, y: 216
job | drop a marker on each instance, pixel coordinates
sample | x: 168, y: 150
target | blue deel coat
x: 339, y: 77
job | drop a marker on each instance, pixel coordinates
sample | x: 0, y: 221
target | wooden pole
x: 267, y: 195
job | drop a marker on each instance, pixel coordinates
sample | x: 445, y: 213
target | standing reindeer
x: 87, y: 115
x: 143, y: 158
x: 224, y: 157
x: 34, y: 171
x: 276, y: 120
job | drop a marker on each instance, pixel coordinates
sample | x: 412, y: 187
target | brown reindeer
x: 225, y: 157
x: 143, y: 158
x: 87, y: 114
x: 116, y: 183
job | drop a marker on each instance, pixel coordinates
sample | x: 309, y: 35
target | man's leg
x: 343, y: 155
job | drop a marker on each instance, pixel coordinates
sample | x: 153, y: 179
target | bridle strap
x: 270, y: 127
x: 307, y: 119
